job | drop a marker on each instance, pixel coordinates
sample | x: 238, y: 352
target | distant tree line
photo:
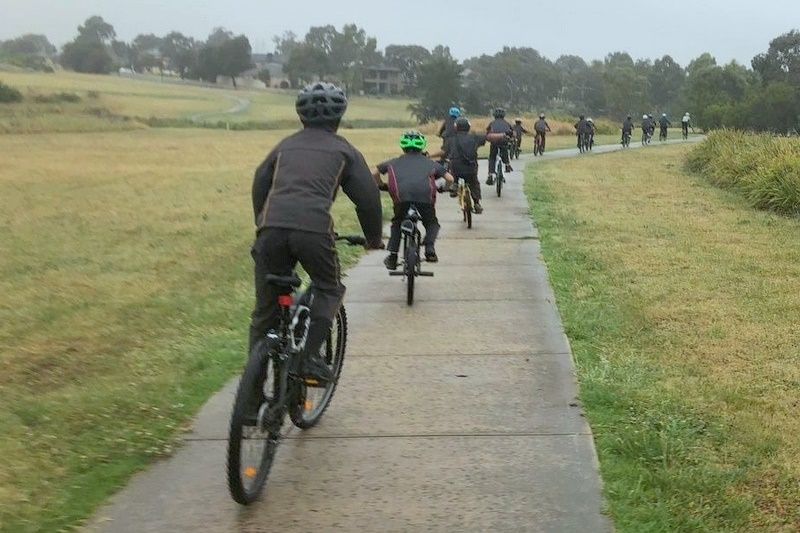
x: 764, y: 96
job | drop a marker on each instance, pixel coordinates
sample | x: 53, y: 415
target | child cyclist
x: 413, y: 179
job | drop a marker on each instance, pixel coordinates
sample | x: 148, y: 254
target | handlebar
x: 353, y: 240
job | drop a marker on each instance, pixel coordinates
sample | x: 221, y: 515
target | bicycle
x: 271, y: 386
x: 499, y: 175
x: 662, y: 134
x: 538, y: 145
x: 585, y: 142
x: 515, y: 148
x: 412, y: 263
x: 626, y: 139
x: 465, y: 202
x: 646, y: 136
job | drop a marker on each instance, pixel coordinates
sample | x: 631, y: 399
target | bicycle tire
x: 245, y: 480
x: 468, y: 208
x: 335, y: 347
x: 411, y: 259
x: 498, y: 182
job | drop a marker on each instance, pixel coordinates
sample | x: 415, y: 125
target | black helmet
x: 499, y: 112
x: 321, y: 103
x: 462, y: 124
x: 581, y: 117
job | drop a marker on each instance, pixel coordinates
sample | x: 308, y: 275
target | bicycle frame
x: 465, y: 201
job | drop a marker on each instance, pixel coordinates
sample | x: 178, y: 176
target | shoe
x: 490, y: 179
x: 477, y: 209
x: 391, y: 262
x: 316, y: 371
x: 509, y: 169
x: 430, y: 255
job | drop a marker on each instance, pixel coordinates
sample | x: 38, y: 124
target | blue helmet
x: 455, y: 112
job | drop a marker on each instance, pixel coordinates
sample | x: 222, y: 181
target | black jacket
x: 462, y: 151
x: 298, y: 181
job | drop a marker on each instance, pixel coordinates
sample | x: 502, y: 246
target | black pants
x: 473, y: 182
x: 427, y: 213
x: 277, y: 251
x: 494, y: 150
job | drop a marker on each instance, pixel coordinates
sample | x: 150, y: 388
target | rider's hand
x: 441, y: 183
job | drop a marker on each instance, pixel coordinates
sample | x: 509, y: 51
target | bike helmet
x: 518, y: 121
x: 462, y: 124
x: 581, y: 117
x: 455, y: 112
x: 412, y: 140
x: 629, y: 117
x: 541, y: 115
x: 321, y: 103
x: 499, y: 112
x: 644, y: 117
x: 589, y: 119
x: 663, y: 114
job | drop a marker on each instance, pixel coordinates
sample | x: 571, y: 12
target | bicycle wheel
x: 412, y: 257
x: 468, y: 207
x: 313, y: 401
x: 498, y: 183
x: 251, y: 446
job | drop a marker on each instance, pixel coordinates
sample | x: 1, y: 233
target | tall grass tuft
x: 763, y: 169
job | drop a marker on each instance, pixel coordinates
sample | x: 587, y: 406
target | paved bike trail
x: 457, y: 414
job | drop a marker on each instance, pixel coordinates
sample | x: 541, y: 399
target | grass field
x: 681, y: 306
x: 125, y: 274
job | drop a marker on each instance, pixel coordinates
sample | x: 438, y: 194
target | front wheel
x: 251, y: 445
x: 313, y: 401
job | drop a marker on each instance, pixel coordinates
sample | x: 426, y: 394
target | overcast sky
x: 684, y: 29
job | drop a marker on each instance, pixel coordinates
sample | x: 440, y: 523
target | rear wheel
x: 498, y: 183
x: 251, y: 445
x: 468, y: 208
x: 313, y: 401
x: 411, y: 270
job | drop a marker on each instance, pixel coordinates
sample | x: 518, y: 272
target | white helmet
x: 644, y: 116
x: 687, y: 113
x: 589, y: 119
x: 663, y: 114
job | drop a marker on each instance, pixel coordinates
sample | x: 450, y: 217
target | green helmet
x: 413, y: 139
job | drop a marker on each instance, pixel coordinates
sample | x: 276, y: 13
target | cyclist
x: 462, y: 151
x: 448, y: 127
x: 663, y: 122
x: 627, y: 127
x: 541, y: 127
x: 686, y: 123
x: 652, y: 125
x: 647, y: 127
x: 302, y: 174
x: 580, y: 129
x: 499, y: 147
x: 590, y: 129
x: 413, y: 179
x: 519, y: 130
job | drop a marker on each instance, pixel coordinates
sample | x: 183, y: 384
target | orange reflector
x: 249, y: 471
x: 308, y: 404
x: 285, y: 300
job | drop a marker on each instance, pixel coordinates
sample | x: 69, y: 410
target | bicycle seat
x: 284, y: 281
x: 413, y: 214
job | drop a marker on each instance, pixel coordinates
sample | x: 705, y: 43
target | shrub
x: 762, y: 168
x: 56, y: 98
x: 9, y: 94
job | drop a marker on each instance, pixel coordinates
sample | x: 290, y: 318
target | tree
x: 781, y: 62
x: 701, y: 61
x: 146, y: 51
x: 666, y: 81
x: 89, y: 52
x: 29, y: 51
x: 439, y: 86
x: 180, y: 52
x: 306, y: 63
x: 224, y: 55
x: 285, y: 43
x: 407, y: 58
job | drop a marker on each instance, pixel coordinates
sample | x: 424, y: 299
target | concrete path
x: 458, y: 414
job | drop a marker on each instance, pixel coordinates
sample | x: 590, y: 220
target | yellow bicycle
x: 465, y: 201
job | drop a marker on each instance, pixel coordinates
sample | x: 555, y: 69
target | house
x: 382, y: 79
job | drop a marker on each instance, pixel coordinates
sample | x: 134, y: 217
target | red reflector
x: 285, y: 300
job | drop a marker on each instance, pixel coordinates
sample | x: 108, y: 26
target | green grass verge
x: 655, y: 308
